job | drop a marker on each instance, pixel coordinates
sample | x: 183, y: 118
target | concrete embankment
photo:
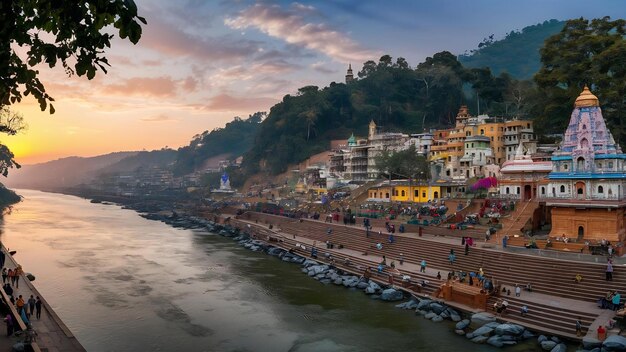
x: 51, y: 332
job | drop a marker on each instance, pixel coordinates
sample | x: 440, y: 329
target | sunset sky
x: 200, y: 63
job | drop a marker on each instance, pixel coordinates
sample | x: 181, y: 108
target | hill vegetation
x: 517, y: 54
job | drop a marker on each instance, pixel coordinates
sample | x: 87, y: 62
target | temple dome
x: 586, y: 99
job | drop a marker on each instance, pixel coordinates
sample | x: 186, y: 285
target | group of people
x: 25, y: 307
x: 611, y: 300
x: 12, y: 276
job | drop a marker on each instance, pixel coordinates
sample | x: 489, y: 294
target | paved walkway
x: 53, y: 334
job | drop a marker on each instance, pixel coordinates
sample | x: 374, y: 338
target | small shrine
x: 224, y: 185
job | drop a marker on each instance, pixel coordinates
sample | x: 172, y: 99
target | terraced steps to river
x: 551, y: 277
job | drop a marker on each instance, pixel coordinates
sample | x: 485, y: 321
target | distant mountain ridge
x: 63, y: 172
x: 517, y: 54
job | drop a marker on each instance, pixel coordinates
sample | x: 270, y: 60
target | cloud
x: 172, y: 41
x: 291, y: 27
x: 144, y: 86
x: 322, y: 67
x: 158, y: 118
x: 226, y: 102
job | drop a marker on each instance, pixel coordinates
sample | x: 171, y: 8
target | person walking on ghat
x: 4, y: 275
x: 18, y: 272
x: 609, y: 270
x: 31, y: 305
x: 38, y: 308
x: 11, y: 276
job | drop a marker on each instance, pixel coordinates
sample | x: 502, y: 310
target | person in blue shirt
x: 616, y: 300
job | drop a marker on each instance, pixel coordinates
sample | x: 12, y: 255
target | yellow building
x: 401, y: 191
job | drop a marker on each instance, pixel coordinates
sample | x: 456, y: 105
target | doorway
x: 527, y: 192
x: 581, y: 233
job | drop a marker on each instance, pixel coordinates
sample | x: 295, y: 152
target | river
x: 124, y: 283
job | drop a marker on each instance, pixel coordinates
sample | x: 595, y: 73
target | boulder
x: 317, y: 269
x: 307, y: 263
x: 614, y: 343
x: 479, y: 339
x: 391, y: 294
x: 411, y: 305
x: 437, y: 318
x: 590, y: 343
x: 483, y: 330
x: 421, y: 312
x: 459, y: 332
x: 320, y: 276
x: 495, y: 341
x: 444, y: 315
x: 325, y: 281
x: 527, y: 334
x: 339, y: 281
x: 480, y: 319
x: 374, y: 285
x: 362, y: 285
x: 429, y: 315
x: 541, y: 338
x: 548, y: 345
x: 462, y: 324
x: 437, y: 307
x: 423, y: 304
x: 509, y: 329
x: 493, y: 324
x: 555, y: 339
x: 561, y: 347
x: 455, y: 317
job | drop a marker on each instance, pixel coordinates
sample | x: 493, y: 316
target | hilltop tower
x: 349, y: 75
x: 372, y: 130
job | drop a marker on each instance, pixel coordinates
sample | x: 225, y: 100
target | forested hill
x: 517, y: 54
x: 395, y: 95
x: 234, y: 139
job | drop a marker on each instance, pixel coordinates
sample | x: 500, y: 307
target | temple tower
x: 349, y: 75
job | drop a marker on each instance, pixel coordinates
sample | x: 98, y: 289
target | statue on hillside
x: 224, y: 182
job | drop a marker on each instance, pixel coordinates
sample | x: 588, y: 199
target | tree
x: 11, y: 123
x: 69, y: 32
x: 405, y: 163
x: 584, y: 53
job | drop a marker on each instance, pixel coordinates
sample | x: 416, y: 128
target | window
x: 491, y: 129
x: 416, y: 193
x: 565, y: 166
x: 584, y: 127
x: 507, y: 190
x: 610, y: 165
x: 403, y: 193
x: 517, y: 190
x: 543, y: 190
x: 562, y: 189
x: 423, y: 194
x: 600, y: 189
x: 387, y: 195
x: 553, y: 191
x: 482, y: 132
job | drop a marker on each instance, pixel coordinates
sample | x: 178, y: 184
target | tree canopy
x: 390, y: 92
x: 403, y: 164
x: 34, y: 32
x: 585, y: 52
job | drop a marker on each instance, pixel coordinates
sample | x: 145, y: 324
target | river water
x: 124, y: 283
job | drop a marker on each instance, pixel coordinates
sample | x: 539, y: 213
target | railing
x: 582, y: 197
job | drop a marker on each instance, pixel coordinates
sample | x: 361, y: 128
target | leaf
x: 52, y: 110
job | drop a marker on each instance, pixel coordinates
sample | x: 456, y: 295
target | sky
x: 200, y: 63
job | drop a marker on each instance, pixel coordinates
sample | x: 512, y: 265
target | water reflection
x: 123, y: 283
